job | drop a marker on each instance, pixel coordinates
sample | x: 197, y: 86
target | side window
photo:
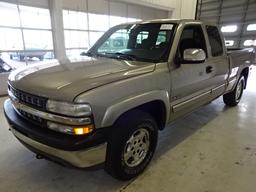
x: 191, y: 37
x: 215, y: 40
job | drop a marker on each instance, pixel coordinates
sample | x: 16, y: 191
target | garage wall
x: 35, y: 3
x: 184, y: 9
x: 178, y: 9
x: 116, y: 8
x: 160, y: 4
x: 236, y: 13
x: 161, y: 8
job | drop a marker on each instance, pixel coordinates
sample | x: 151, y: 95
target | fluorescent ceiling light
x: 251, y: 27
x: 229, y: 43
x: 229, y: 28
x: 249, y: 42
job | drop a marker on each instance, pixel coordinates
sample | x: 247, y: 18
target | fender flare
x: 114, y: 111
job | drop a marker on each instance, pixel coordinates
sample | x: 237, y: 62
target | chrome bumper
x: 82, y: 159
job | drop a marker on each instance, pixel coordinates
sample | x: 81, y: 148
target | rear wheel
x: 132, y: 145
x: 21, y: 58
x: 234, y: 97
x: 41, y: 58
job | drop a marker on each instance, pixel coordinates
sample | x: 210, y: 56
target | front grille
x: 29, y: 99
x: 35, y: 119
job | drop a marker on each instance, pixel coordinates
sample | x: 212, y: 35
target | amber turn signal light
x: 83, y: 130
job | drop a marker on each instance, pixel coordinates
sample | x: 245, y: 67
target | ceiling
x: 230, y: 12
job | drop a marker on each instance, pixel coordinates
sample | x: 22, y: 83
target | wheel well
x: 245, y: 73
x: 156, y: 109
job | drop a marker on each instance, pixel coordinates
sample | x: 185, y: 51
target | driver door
x: 191, y: 82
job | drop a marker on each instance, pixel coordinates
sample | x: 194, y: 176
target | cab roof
x: 177, y: 21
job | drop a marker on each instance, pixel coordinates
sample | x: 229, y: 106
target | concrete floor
x: 211, y: 150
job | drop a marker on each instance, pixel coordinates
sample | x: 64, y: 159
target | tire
x: 21, y: 58
x: 131, y: 145
x: 234, y: 97
x: 41, y: 58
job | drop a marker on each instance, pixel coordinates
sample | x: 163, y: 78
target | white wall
x: 185, y: 9
x: 145, y: 9
x: 123, y: 8
x: 178, y: 9
x: 160, y: 4
x: 35, y: 3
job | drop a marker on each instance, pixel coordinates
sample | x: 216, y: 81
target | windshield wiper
x: 89, y: 54
x: 119, y: 55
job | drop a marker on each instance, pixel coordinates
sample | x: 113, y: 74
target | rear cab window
x: 215, y: 40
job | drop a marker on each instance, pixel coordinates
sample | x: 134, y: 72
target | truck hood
x: 65, y: 80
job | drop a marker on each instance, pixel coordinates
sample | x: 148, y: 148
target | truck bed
x: 240, y: 56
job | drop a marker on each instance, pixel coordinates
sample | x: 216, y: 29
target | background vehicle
x: 110, y: 106
x: 4, y: 67
x: 31, y: 51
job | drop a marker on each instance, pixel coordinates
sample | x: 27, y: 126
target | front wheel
x: 132, y: 145
x: 234, y: 97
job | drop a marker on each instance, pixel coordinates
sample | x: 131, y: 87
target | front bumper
x: 77, y: 151
x: 81, y: 158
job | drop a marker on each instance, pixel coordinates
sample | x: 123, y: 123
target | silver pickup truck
x: 108, y: 107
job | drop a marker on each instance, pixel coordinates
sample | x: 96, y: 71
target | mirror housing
x: 194, y: 56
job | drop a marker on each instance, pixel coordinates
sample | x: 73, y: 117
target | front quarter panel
x: 110, y: 101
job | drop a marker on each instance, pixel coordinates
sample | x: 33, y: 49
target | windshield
x: 142, y: 42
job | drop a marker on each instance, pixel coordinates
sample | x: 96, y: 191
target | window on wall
x: 76, y: 32
x: 25, y: 35
x: 9, y: 15
x: 98, y: 22
x: 115, y: 20
x: 83, y: 29
x: 94, y: 36
x: 75, y: 20
x: 33, y: 17
x: 10, y: 39
x: 133, y: 19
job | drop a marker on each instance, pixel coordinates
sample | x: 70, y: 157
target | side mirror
x: 194, y: 56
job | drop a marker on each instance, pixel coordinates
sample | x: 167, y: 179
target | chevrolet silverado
x: 108, y: 107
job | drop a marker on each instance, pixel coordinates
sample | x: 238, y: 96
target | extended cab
x: 137, y: 78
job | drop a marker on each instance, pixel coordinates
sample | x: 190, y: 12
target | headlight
x: 76, y: 110
x: 71, y: 130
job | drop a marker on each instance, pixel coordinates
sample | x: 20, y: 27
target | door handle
x: 209, y: 69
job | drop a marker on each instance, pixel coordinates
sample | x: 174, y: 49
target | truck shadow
x: 183, y: 128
